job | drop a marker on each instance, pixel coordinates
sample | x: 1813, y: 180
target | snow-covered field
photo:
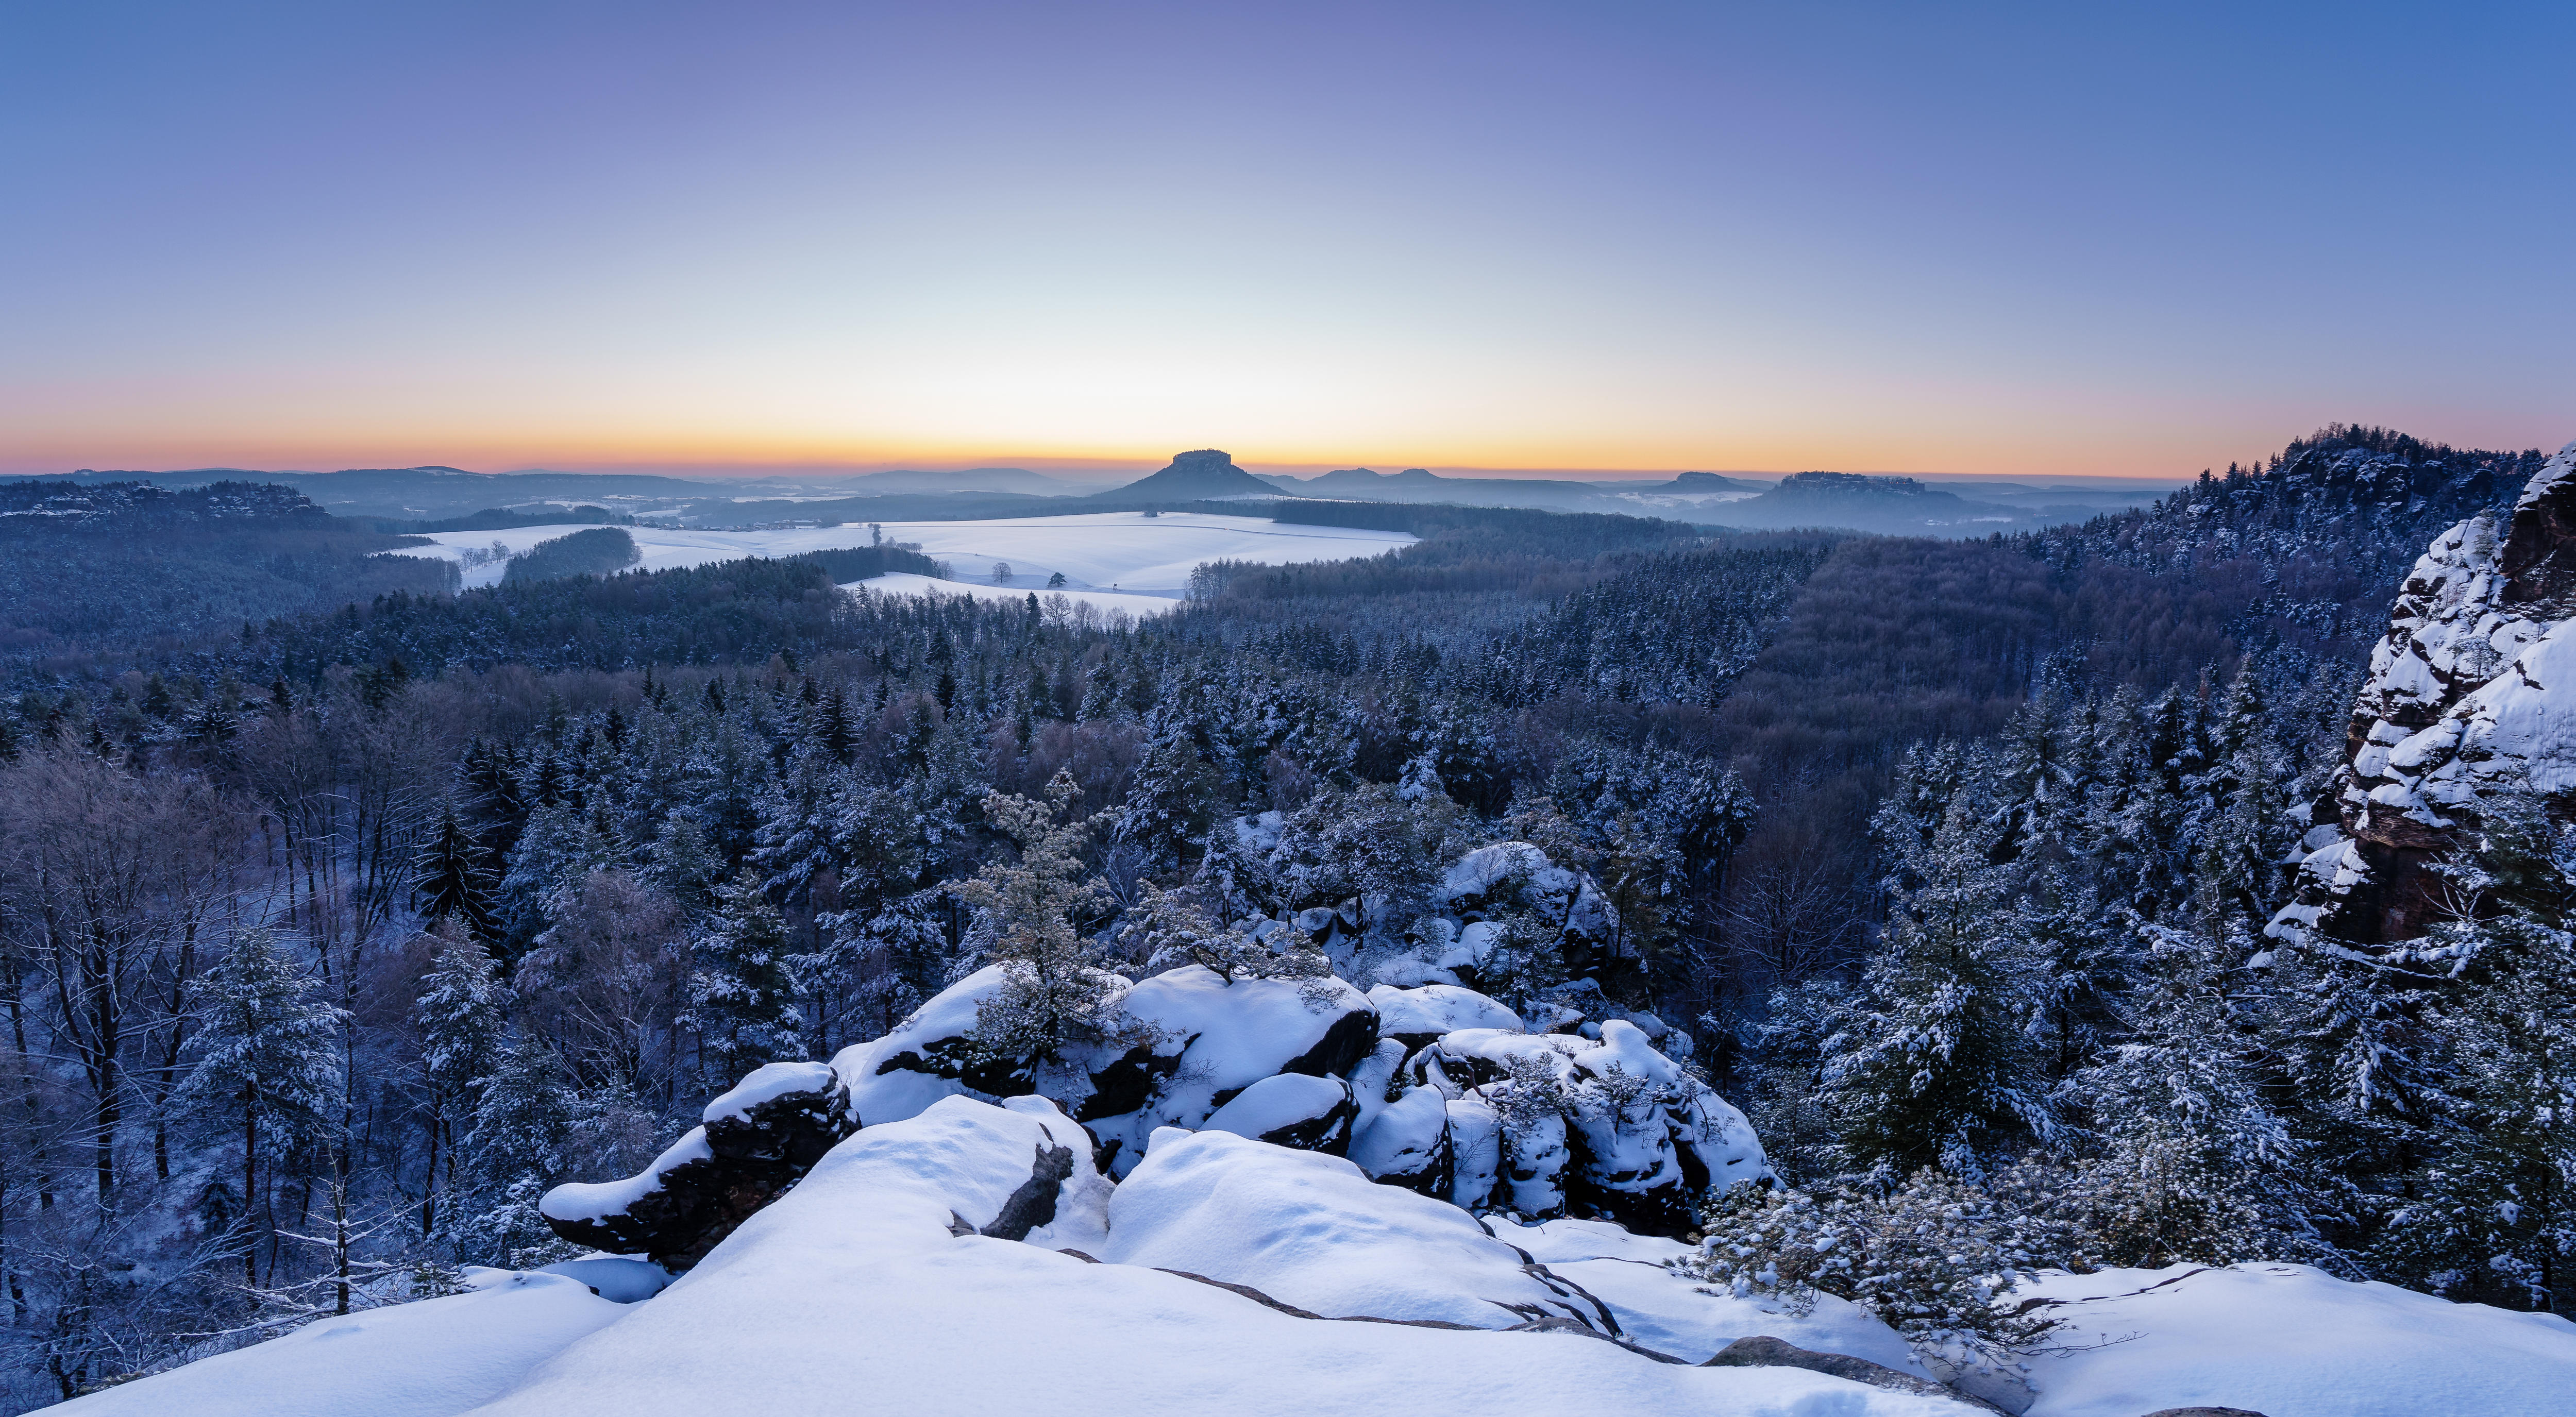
x: 1125, y: 551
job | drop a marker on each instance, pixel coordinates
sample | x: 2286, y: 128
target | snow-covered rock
x: 861, y: 1292
x: 2469, y: 694
x: 1291, y: 1110
x: 1407, y: 1143
x: 1313, y: 1231
x: 1602, y: 1125
x: 1419, y: 1015
x: 756, y: 1140
x: 1606, y: 1126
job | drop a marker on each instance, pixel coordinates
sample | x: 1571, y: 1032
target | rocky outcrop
x: 1593, y: 1121
x: 754, y: 1143
x: 2471, y: 697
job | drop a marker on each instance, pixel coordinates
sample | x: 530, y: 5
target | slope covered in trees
x: 331, y: 947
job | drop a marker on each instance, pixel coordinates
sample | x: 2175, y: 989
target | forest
x: 342, y: 913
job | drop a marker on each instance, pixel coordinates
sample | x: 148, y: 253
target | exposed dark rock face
x: 2470, y: 695
x: 757, y: 1140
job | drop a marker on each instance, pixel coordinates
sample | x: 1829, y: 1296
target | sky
x: 2042, y: 240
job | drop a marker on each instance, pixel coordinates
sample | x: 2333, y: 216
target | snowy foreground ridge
x: 970, y: 1253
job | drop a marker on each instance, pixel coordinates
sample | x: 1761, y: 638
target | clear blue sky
x: 2024, y: 239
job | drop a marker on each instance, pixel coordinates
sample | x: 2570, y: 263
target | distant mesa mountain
x: 1205, y: 475
x: 1897, y: 506
x: 1689, y: 489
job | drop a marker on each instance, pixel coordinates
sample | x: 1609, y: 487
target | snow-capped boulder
x: 1418, y: 1015
x: 1291, y: 1110
x: 792, y: 1112
x: 1212, y: 1039
x: 1313, y: 1232
x: 1475, y: 1149
x: 2468, y: 695
x: 928, y: 1056
x: 755, y: 1141
x: 1486, y: 1115
x: 1516, y: 877
x: 1407, y: 1143
x: 1606, y: 1126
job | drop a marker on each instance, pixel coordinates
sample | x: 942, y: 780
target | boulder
x: 1291, y: 1110
x: 1313, y: 1232
x: 755, y: 1142
x: 1407, y: 1144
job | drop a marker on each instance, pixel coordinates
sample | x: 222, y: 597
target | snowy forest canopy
x: 329, y: 945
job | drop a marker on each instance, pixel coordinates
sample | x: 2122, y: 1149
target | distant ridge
x: 1202, y: 476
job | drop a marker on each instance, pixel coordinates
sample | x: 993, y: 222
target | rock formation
x: 1593, y: 1121
x: 2471, y: 697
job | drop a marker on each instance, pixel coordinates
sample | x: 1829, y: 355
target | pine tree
x: 519, y: 1147
x: 1932, y: 1064
x: 462, y: 1014
x: 1168, y: 805
x: 452, y: 880
x: 268, y: 1056
x: 2189, y: 1159
x: 744, y: 1003
x: 1051, y: 994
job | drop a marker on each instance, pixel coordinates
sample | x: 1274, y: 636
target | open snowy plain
x: 1121, y: 551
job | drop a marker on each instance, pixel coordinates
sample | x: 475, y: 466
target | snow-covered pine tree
x: 268, y: 1059
x: 2492, y: 1217
x: 558, y: 845
x: 1052, y: 994
x: 744, y: 1005
x: 2187, y: 1159
x: 1169, y: 802
x: 462, y: 1013
x: 1932, y: 1065
x: 522, y: 1129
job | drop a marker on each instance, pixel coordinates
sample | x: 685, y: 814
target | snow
x: 851, y: 1295
x: 620, y: 1279
x: 768, y: 1083
x: 1671, y: 1314
x: 906, y: 583
x: 1313, y: 1231
x: 1115, y: 550
x: 1236, y: 1034
x: 865, y: 1291
x: 2291, y: 1341
x: 431, y: 1358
